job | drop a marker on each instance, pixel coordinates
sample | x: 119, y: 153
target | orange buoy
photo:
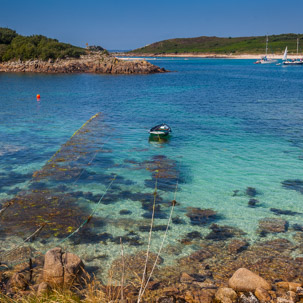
x: 38, y: 97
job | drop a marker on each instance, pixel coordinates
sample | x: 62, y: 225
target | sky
x: 123, y: 25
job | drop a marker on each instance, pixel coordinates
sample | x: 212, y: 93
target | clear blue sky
x: 117, y: 24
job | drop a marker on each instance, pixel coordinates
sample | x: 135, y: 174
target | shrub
x: 14, y: 46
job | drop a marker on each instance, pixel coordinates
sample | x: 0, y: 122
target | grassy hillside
x: 14, y: 46
x: 240, y: 45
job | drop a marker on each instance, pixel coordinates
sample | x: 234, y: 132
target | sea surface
x: 237, y: 136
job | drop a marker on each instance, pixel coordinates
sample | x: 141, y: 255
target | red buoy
x: 38, y: 97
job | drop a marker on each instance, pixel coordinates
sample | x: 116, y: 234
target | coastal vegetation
x: 39, y: 54
x: 217, y: 45
x: 14, y: 47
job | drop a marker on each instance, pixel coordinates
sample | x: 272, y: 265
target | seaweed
x: 278, y: 211
x: 200, y: 216
x: 253, y: 202
x: 294, y: 184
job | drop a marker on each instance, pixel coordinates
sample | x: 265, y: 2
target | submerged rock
x: 163, y: 184
x: 297, y: 227
x: 226, y: 295
x: 125, y: 212
x: 275, y: 247
x: 221, y: 233
x: 158, y: 213
x: 200, y: 295
x: 194, y: 235
x: 253, y: 202
x: 278, y: 211
x: 245, y: 280
x: 236, y: 246
x: 197, y: 256
x: 146, y: 228
x: 164, y: 170
x: 251, y: 192
x: 235, y: 193
x: 200, y: 216
x: 190, y: 278
x: 177, y: 220
x: 295, y: 184
x: 272, y: 225
x: 131, y: 239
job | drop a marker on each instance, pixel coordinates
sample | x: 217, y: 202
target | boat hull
x: 293, y: 63
x: 159, y: 134
x: 161, y: 130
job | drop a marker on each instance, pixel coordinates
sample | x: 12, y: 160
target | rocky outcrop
x: 245, y: 280
x: 93, y: 62
x: 62, y: 269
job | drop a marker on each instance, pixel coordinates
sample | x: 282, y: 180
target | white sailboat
x: 265, y: 60
x: 296, y: 61
x: 285, y: 54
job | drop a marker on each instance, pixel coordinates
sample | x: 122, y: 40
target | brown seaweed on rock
x: 27, y: 212
x: 272, y: 225
x: 294, y: 184
x: 251, y: 192
x: 200, y: 216
x: 162, y: 168
x: 278, y: 211
x: 222, y: 233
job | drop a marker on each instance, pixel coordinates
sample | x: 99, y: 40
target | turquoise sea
x: 237, y: 137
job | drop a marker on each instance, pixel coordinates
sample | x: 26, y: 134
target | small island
x: 39, y: 54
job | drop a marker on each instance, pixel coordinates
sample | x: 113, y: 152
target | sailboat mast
x: 297, y: 46
x: 266, y: 45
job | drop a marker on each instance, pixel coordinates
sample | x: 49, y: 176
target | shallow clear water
x: 235, y: 125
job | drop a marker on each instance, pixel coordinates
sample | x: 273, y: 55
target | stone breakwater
x: 90, y: 63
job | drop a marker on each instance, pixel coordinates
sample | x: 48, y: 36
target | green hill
x: 216, y: 45
x: 14, y: 46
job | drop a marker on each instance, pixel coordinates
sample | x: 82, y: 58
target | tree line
x: 14, y: 46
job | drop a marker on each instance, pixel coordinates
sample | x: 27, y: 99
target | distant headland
x: 40, y: 54
x: 216, y: 47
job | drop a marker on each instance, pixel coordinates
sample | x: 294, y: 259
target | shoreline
x: 206, y: 56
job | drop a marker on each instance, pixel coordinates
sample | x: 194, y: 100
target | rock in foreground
x: 62, y: 269
x: 245, y: 280
x: 93, y: 62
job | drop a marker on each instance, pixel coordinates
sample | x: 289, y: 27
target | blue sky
x: 116, y: 24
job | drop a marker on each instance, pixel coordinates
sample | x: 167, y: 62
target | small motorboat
x: 161, y: 130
